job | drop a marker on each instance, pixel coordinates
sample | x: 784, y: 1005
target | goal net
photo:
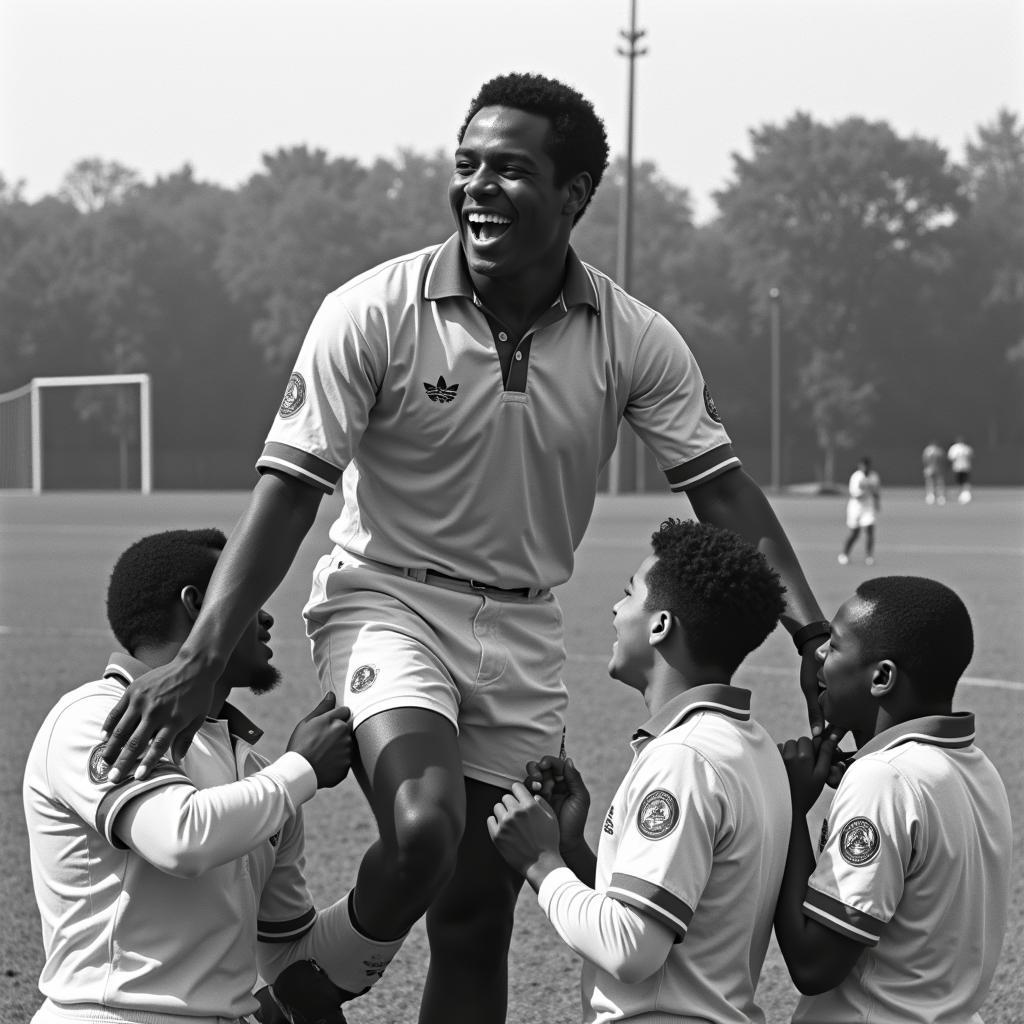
x: 77, y: 433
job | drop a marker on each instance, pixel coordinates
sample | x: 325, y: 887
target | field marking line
x: 1012, y: 685
x: 916, y: 549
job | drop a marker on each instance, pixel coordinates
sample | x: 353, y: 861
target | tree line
x: 900, y: 275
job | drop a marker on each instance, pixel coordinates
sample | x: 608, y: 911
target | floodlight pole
x: 773, y: 296
x: 628, y: 457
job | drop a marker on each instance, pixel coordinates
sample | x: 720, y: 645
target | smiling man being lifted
x: 466, y: 398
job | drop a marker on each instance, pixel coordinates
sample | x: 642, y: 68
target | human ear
x: 661, y: 626
x: 579, y: 188
x: 191, y: 600
x: 883, y: 680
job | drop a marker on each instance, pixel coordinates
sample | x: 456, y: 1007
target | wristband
x: 808, y: 632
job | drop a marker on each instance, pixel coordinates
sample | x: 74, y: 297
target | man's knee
x: 426, y: 840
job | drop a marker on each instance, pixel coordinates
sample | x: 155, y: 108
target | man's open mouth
x: 486, y: 227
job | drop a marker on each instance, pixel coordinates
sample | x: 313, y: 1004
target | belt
x: 440, y: 579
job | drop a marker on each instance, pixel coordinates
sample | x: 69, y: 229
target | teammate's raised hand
x: 324, y: 739
x: 808, y: 764
x: 161, y: 710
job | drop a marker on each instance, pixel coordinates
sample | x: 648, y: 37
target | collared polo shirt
x: 117, y: 930
x: 915, y: 864
x: 696, y: 837
x: 398, y: 393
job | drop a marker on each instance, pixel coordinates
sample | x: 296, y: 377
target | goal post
x: 22, y: 423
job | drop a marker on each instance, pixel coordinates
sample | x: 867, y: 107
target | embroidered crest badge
x: 859, y: 841
x: 98, y: 768
x: 363, y: 678
x: 658, y: 814
x: 709, y: 404
x: 294, y: 396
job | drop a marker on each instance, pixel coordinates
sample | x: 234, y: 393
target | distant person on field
x: 903, y: 916
x: 933, y: 462
x: 673, y: 915
x: 961, y: 457
x: 862, y: 510
x: 160, y: 899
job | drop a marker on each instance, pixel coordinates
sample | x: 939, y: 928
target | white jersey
x: 960, y: 457
x: 915, y: 864
x: 862, y: 507
x: 122, y: 934
x: 696, y: 838
x: 397, y: 392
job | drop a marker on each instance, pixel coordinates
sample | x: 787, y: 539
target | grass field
x: 56, y: 552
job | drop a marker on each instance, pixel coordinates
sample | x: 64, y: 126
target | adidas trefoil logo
x: 442, y: 391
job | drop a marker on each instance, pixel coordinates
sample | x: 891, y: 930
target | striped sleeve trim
x: 286, y: 931
x: 652, y: 900
x: 840, y: 917
x: 114, y: 801
x: 703, y: 468
x: 300, y: 464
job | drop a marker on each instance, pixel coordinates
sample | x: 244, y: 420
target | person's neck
x: 668, y: 683
x: 519, y: 301
x: 890, y: 716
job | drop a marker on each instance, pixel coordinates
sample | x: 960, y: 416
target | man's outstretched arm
x: 168, y: 704
x: 735, y: 502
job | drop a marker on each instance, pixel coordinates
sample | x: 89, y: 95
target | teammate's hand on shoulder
x: 324, y: 739
x: 165, y: 706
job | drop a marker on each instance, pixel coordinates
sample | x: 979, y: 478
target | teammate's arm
x: 168, y: 705
x: 735, y: 502
x: 186, y: 831
x: 818, y: 958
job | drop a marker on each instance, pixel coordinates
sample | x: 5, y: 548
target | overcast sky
x: 154, y: 84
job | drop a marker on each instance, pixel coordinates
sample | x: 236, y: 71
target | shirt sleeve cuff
x: 296, y: 774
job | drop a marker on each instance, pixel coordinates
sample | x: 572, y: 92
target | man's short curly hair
x: 576, y: 140
x: 148, y: 578
x: 721, y: 589
x: 922, y: 626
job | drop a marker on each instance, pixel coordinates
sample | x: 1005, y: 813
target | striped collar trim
x: 732, y: 701
x: 955, y: 730
x: 125, y: 669
x: 447, y: 277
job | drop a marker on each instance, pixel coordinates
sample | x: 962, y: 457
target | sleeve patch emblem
x: 709, y: 404
x: 363, y: 678
x: 98, y: 768
x: 658, y: 814
x: 294, y: 396
x: 859, y: 842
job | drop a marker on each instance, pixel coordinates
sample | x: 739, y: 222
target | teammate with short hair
x: 933, y: 463
x: 466, y: 399
x: 903, y: 916
x: 674, y: 914
x: 862, y: 508
x: 160, y: 898
x: 961, y: 458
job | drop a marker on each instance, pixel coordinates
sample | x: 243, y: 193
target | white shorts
x: 491, y: 665
x: 860, y: 513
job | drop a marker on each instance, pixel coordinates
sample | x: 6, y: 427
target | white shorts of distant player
x: 860, y: 513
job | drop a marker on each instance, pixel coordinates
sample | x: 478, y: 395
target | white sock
x: 355, y: 962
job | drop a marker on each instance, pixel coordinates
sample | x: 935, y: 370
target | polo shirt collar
x: 721, y: 698
x: 951, y: 731
x: 126, y: 669
x: 448, y: 277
